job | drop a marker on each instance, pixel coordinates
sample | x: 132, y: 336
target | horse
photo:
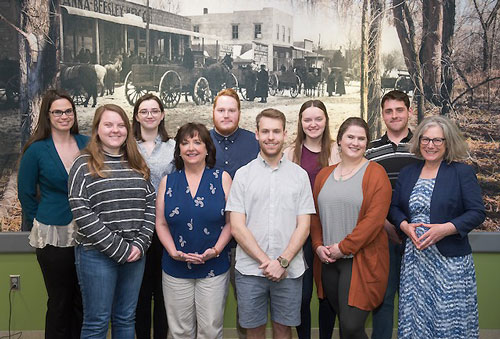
x: 101, y: 74
x: 219, y: 76
x: 78, y: 78
x: 112, y: 74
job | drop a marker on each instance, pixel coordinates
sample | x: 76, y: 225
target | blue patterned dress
x: 195, y: 223
x: 438, y: 294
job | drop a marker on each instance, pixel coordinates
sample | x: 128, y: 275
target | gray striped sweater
x: 112, y: 213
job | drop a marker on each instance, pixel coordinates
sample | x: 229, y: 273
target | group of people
x: 130, y: 216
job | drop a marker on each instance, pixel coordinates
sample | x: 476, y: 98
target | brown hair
x: 396, y: 95
x: 326, y: 140
x: 456, y: 147
x: 271, y: 113
x: 229, y: 92
x: 43, y: 128
x: 190, y: 130
x: 136, y: 126
x: 130, y: 152
x: 353, y: 121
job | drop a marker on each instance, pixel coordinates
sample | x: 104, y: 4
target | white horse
x: 101, y: 74
x: 112, y: 74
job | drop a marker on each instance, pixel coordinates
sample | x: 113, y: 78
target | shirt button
x: 225, y: 138
x: 225, y: 148
x: 226, y: 162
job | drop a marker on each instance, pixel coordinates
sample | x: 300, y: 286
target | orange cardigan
x: 368, y: 241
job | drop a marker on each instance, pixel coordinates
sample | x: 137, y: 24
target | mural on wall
x: 444, y: 54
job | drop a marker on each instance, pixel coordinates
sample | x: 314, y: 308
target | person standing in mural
x: 313, y: 149
x: 188, y: 59
x: 392, y: 152
x: 148, y: 126
x: 262, y: 84
x: 250, y: 79
x: 43, y: 193
x: 330, y: 83
x: 113, y: 203
x: 340, y: 84
x: 436, y: 203
x: 235, y: 147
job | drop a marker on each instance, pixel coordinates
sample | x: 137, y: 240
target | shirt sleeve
x: 143, y: 240
x: 89, y: 224
x: 27, y: 183
x: 306, y: 202
x: 236, y: 199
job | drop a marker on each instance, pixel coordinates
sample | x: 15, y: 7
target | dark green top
x: 42, y: 184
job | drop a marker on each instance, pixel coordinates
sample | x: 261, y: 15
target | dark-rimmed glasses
x: 435, y: 141
x: 154, y: 112
x: 57, y: 113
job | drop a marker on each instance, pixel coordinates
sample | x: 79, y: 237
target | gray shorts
x: 254, y: 293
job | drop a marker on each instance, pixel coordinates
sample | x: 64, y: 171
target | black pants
x: 336, y: 279
x: 64, y: 306
x: 151, y: 289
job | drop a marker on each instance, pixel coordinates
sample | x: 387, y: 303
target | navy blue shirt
x: 234, y: 151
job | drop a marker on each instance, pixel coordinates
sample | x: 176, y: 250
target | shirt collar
x: 232, y: 137
x: 385, y: 139
x: 264, y: 163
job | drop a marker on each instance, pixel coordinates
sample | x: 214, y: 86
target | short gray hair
x: 456, y: 147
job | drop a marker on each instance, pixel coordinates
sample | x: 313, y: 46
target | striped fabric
x: 112, y: 213
x: 438, y: 294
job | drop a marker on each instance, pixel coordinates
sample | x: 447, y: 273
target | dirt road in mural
x: 339, y: 109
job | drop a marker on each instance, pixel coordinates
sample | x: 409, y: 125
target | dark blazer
x: 41, y: 169
x: 456, y: 198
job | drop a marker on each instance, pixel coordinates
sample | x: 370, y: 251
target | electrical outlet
x: 15, y: 282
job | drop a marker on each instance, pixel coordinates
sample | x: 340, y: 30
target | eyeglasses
x: 57, y: 113
x: 154, y: 112
x: 435, y: 141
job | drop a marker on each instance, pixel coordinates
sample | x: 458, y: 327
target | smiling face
x: 313, y: 122
x: 353, y: 142
x: 226, y: 115
x: 430, y: 152
x: 149, y: 115
x: 193, y: 150
x: 64, y: 122
x: 271, y: 136
x: 112, y: 132
x: 396, y: 115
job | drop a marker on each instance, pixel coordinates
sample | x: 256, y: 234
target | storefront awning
x: 116, y: 19
x: 136, y: 22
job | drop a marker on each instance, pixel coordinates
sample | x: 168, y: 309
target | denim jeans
x: 109, y: 292
x: 383, y: 316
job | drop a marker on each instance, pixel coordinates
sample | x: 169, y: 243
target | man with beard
x: 235, y: 147
x: 270, y: 204
x: 392, y: 152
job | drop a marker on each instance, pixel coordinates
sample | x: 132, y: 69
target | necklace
x: 342, y: 175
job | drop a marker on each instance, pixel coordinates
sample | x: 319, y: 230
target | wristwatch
x: 283, y: 262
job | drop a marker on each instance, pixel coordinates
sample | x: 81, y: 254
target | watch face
x: 283, y: 262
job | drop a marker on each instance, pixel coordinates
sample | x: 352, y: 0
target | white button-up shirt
x: 271, y: 200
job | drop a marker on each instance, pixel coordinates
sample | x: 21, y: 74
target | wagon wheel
x: 201, y: 91
x: 295, y: 89
x: 132, y: 93
x: 170, y: 89
x: 273, y: 84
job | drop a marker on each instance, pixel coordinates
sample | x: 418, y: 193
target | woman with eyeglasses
x: 43, y: 193
x: 436, y: 203
x: 157, y: 148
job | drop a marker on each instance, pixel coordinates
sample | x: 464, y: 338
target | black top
x: 391, y: 156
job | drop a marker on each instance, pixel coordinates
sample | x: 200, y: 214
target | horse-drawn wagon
x: 284, y: 80
x: 171, y: 81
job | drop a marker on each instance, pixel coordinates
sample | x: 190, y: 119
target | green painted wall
x: 28, y: 304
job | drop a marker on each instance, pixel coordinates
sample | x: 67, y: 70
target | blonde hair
x: 130, y: 152
x: 456, y: 147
